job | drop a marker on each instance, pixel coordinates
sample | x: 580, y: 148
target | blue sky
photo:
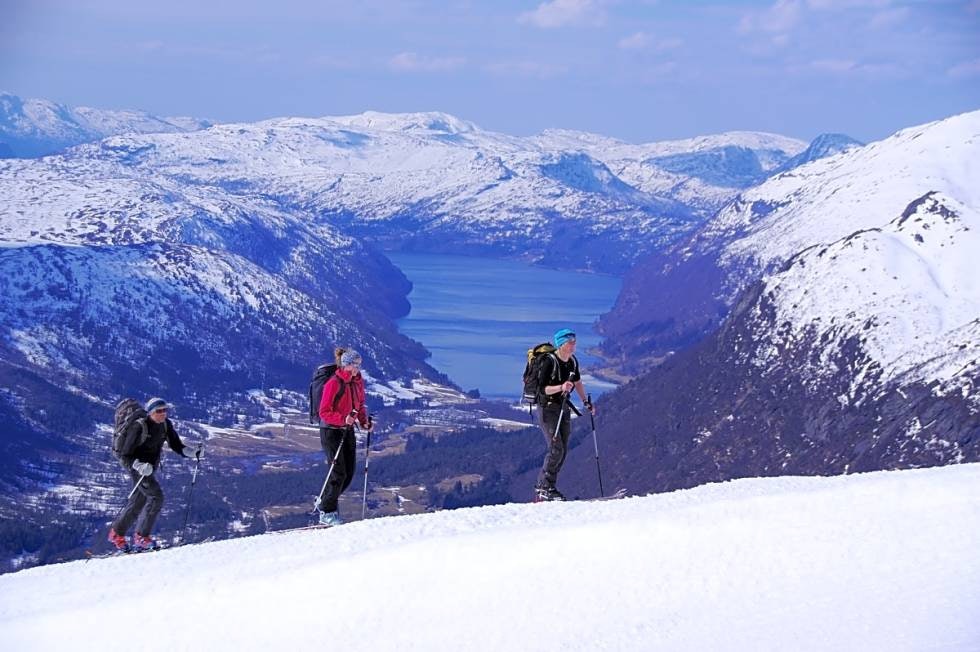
x: 640, y: 70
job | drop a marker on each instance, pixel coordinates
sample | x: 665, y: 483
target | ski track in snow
x: 881, y: 561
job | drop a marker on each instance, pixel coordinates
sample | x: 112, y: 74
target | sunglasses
x: 160, y: 411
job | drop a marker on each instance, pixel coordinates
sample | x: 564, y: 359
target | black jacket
x: 135, y: 447
x: 555, y: 372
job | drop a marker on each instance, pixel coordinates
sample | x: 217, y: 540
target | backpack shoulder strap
x: 340, y: 391
x: 554, y: 366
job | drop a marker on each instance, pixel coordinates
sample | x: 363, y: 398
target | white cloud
x: 638, y: 41
x: 852, y: 67
x: 834, y: 65
x: 657, y: 73
x: 332, y: 62
x: 644, y: 41
x: 781, y: 17
x: 669, y: 44
x: 847, y: 4
x: 525, y: 69
x: 559, y: 13
x: 889, y: 17
x: 413, y: 62
x: 965, y: 69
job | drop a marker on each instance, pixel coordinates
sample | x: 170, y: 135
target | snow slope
x: 882, y: 561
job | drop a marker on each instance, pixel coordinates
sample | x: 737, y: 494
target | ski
x: 619, y: 493
x: 314, y: 526
x: 89, y: 555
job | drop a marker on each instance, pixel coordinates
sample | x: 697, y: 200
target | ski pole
x: 333, y: 463
x: 135, y: 487
x: 367, y: 459
x: 561, y: 413
x: 190, y: 492
x: 595, y: 441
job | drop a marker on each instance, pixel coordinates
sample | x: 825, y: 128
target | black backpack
x: 128, y: 411
x: 536, y: 357
x: 320, y: 377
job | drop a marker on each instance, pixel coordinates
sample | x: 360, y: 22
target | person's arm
x: 176, y: 444
x: 362, y: 413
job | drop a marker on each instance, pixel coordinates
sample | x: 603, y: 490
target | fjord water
x: 478, y: 316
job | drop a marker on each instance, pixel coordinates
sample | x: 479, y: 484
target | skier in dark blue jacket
x: 139, y: 454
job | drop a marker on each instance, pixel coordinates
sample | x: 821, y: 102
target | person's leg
x: 127, y: 515
x: 555, y: 452
x: 153, y: 495
x: 333, y: 487
x: 349, y: 456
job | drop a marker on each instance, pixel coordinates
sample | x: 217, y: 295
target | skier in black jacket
x: 139, y: 454
x: 557, y: 377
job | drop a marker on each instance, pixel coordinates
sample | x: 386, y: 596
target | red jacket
x: 351, y: 399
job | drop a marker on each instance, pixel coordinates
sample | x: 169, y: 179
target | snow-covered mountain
x: 849, y: 317
x: 35, y: 127
x: 820, y: 147
x: 676, y: 296
x: 702, y: 173
x: 887, y: 559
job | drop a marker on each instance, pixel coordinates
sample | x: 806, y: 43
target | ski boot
x: 118, y: 541
x: 547, y: 494
x: 329, y: 519
x: 144, y: 544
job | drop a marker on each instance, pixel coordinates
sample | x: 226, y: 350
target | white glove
x: 143, y: 468
x: 192, y: 453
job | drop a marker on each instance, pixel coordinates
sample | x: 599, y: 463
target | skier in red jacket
x: 341, y: 406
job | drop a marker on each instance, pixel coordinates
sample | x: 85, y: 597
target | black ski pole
x: 190, y: 492
x: 367, y: 459
x: 561, y: 414
x: 595, y: 441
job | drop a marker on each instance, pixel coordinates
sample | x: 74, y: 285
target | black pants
x: 143, y: 507
x: 343, y: 473
x: 557, y: 446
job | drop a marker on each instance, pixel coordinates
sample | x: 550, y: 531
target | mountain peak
x: 430, y: 121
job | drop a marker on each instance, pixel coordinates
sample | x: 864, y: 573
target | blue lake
x: 479, y: 316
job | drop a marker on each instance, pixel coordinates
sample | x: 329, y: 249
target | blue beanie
x: 155, y: 404
x: 350, y: 357
x: 563, y: 335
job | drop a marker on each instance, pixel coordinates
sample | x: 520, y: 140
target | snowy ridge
x: 422, y: 176
x: 761, y: 564
x: 32, y: 127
